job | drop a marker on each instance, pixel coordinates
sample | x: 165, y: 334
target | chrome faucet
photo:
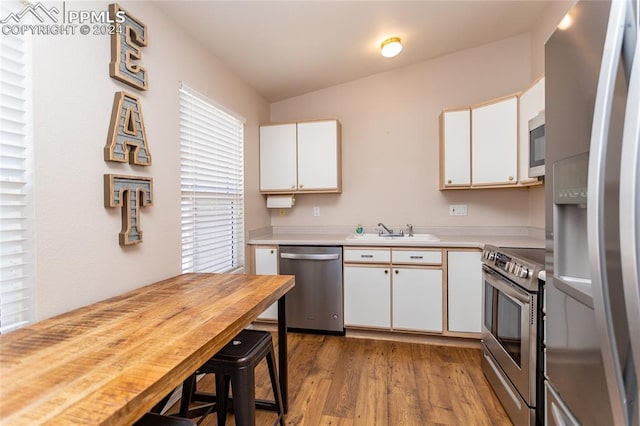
x: 390, y: 232
x: 410, y: 226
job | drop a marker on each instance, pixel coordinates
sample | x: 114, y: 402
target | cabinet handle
x: 449, y: 181
x: 386, y: 271
x: 510, y: 177
x: 364, y: 256
x: 397, y: 272
x: 415, y: 257
x: 271, y: 252
x: 301, y: 186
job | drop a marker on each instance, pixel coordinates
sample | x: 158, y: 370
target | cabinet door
x: 531, y: 104
x: 367, y: 297
x: 278, y: 158
x: 266, y: 263
x: 455, y: 146
x: 494, y: 143
x: 318, y: 155
x: 417, y: 299
x: 464, y: 289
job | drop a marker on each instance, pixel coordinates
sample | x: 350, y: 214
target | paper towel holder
x: 285, y: 201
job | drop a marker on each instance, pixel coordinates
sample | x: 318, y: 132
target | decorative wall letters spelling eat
x: 128, y: 192
x: 127, y: 139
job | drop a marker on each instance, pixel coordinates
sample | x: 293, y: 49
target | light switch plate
x: 457, y: 209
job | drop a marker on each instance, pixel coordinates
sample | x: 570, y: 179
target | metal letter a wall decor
x: 127, y: 140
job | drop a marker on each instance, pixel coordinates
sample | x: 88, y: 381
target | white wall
x: 390, y: 141
x: 78, y: 258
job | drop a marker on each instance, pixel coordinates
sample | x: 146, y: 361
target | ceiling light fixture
x: 565, y: 23
x: 391, y: 47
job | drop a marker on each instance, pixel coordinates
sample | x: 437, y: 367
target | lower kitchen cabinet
x: 417, y: 299
x: 367, y: 296
x: 464, y: 283
x: 266, y: 263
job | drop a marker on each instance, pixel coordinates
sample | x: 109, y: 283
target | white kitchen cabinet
x: 278, y: 157
x: 300, y: 157
x: 266, y: 263
x: 464, y: 283
x: 417, y: 299
x: 531, y: 104
x: 318, y: 156
x: 367, y: 296
x: 393, y: 288
x: 455, y: 148
x: 494, y: 142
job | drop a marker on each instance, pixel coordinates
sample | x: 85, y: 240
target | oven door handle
x: 498, y: 282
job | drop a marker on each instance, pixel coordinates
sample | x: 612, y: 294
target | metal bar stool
x: 153, y: 419
x: 236, y: 363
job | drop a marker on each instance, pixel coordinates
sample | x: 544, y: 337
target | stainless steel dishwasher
x: 315, y: 303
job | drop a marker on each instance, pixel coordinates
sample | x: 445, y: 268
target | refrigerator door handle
x: 595, y: 209
x: 630, y: 206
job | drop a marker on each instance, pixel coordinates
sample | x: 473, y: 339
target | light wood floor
x: 349, y: 381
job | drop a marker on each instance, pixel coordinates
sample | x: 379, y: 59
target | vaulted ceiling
x: 287, y: 48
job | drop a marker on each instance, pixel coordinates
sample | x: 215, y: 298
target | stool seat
x: 235, y: 364
x: 247, y: 347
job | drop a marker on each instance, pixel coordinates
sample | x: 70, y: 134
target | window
x: 16, y: 207
x: 212, y: 185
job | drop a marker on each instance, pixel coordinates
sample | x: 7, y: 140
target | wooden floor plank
x: 372, y: 400
x: 433, y: 391
x: 404, y: 405
x: 343, y: 393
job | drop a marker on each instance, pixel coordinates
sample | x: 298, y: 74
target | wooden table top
x: 110, y: 362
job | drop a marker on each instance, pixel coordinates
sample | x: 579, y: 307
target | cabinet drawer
x: 422, y: 257
x: 367, y: 255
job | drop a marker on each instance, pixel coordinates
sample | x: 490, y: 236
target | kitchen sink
x: 400, y: 238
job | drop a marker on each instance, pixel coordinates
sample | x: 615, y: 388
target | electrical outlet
x: 282, y: 212
x: 316, y: 211
x: 457, y: 209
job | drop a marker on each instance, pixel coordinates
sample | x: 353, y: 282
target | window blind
x: 16, y: 212
x: 212, y: 185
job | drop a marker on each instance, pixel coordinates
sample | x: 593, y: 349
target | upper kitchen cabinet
x: 486, y: 145
x: 455, y: 148
x: 278, y: 157
x: 531, y: 104
x: 301, y: 157
x: 494, y: 142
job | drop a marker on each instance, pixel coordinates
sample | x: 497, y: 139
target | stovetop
x: 535, y: 255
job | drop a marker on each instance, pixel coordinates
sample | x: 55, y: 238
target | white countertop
x: 449, y: 241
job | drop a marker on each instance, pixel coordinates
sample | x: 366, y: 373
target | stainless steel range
x: 511, y: 331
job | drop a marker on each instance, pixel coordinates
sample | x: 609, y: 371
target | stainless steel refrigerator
x: 592, y: 172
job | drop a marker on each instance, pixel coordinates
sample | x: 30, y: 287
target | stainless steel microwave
x: 536, y: 146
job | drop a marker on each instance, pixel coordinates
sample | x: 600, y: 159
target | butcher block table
x: 111, y: 362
